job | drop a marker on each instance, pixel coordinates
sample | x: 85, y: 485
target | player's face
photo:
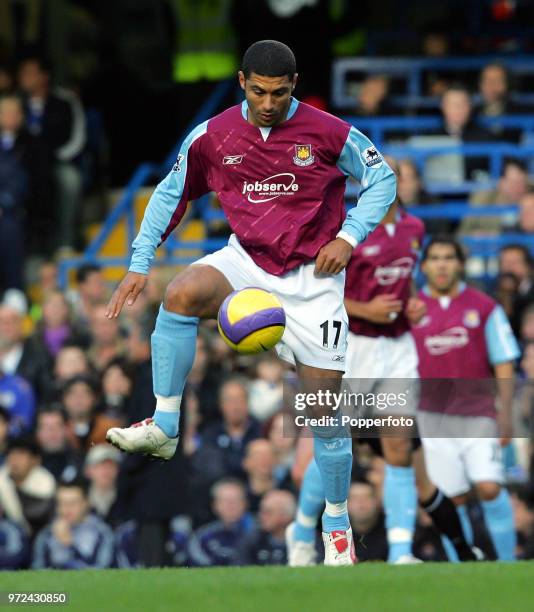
x: 268, y: 98
x: 442, y: 268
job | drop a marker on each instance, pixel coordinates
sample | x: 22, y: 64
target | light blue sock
x: 333, y: 455
x: 400, y: 505
x: 311, y: 502
x: 468, y: 533
x: 173, y: 352
x: 499, y: 519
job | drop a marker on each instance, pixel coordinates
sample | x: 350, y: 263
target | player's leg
x: 442, y: 510
x: 332, y: 448
x: 485, y: 469
x: 195, y: 293
x: 300, y: 535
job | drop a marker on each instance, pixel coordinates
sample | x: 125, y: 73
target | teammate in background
x: 381, y: 354
x: 466, y: 335
x: 279, y: 169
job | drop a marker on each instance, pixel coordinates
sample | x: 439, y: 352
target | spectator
x: 85, y: 425
x: 283, y: 438
x: 259, y: 465
x: 527, y: 325
x: 71, y: 360
x: 14, y: 545
x: 526, y: 213
x: 106, y: 341
x: 6, y: 79
x: 512, y: 186
x: 266, y: 544
x: 367, y: 521
x: 58, y: 457
x: 410, y: 188
x: 456, y: 112
x: 90, y: 293
x: 524, y: 524
x: 372, y: 97
x: 235, y: 430
x: 20, y: 356
x: 117, y: 381
x: 4, y: 433
x: 75, y: 539
x: 102, y: 469
x: 494, y: 89
x: 55, y: 329
x: 516, y: 259
x: 26, y: 488
x: 506, y: 288
x: 266, y: 390
x: 17, y: 397
x: 58, y: 118
x: 216, y: 543
x: 14, y: 194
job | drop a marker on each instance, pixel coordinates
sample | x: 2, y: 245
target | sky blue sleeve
x: 166, y: 207
x: 360, y: 159
x: 500, y: 340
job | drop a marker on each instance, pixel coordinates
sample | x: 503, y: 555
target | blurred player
x: 466, y: 335
x: 279, y: 169
x: 381, y: 354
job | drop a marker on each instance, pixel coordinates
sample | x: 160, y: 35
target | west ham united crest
x: 303, y: 155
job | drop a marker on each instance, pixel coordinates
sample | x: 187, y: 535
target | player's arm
x: 415, y: 308
x: 502, y: 350
x: 382, y: 309
x: 360, y: 159
x: 165, y: 210
x: 377, y: 194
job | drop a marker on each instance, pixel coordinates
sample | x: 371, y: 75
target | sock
x: 447, y: 520
x: 173, y: 352
x: 400, y: 505
x: 311, y: 502
x: 499, y: 519
x: 333, y: 455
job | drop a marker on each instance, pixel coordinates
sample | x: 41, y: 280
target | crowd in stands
x: 70, y: 500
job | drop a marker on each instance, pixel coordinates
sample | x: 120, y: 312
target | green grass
x: 477, y: 587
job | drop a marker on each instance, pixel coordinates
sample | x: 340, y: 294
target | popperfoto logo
x: 270, y: 188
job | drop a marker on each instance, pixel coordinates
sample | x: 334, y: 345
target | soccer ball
x: 251, y: 320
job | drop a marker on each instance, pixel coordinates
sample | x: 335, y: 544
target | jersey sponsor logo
x: 372, y: 157
x: 177, y: 166
x: 369, y: 251
x: 269, y: 189
x: 471, y: 318
x: 232, y: 160
x: 303, y: 155
x: 397, y: 270
x: 450, y: 339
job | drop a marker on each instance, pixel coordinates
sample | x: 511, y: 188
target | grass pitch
x: 369, y: 587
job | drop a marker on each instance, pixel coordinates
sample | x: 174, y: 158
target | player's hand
x: 383, y: 309
x: 333, y: 257
x: 130, y: 287
x: 415, y: 310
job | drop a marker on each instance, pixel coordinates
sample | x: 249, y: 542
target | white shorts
x: 455, y: 464
x: 316, y: 320
x: 382, y: 365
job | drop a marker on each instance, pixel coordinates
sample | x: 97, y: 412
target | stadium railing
x: 412, y: 71
x: 377, y: 127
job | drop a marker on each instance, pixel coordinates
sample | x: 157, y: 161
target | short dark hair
x: 79, y: 482
x: 447, y: 240
x: 84, y: 379
x: 5, y: 414
x: 84, y: 271
x: 513, y: 246
x: 457, y: 86
x: 44, y: 63
x: 24, y: 443
x: 53, y: 409
x: 269, y: 58
x: 514, y: 163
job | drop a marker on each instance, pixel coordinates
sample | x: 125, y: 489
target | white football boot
x: 407, y: 560
x: 299, y: 553
x: 339, y: 548
x: 144, y: 437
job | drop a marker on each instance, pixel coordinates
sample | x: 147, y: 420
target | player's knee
x: 181, y: 297
x: 487, y: 490
x: 397, y: 451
